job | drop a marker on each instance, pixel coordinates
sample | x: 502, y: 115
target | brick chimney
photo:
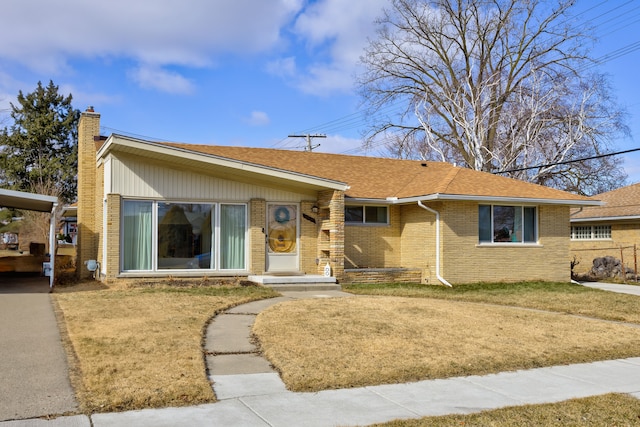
x: 89, y: 200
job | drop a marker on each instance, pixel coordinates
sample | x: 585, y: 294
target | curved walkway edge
x: 250, y: 393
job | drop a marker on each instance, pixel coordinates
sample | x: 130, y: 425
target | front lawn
x: 142, y: 347
x: 442, y: 332
x: 559, y: 297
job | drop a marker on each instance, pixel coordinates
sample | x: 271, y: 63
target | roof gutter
x: 606, y: 218
x: 493, y: 199
x: 437, y: 214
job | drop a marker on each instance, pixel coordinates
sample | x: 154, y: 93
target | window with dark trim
x: 507, y: 224
x: 359, y: 214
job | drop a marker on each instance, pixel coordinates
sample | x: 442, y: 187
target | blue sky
x: 239, y: 72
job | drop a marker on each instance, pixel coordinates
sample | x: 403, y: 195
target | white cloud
x: 46, y: 35
x: 258, y: 118
x: 150, y: 77
x: 343, y: 33
x: 282, y: 67
x: 83, y: 99
x: 155, y: 36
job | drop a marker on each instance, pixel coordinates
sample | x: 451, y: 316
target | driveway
x: 614, y: 287
x: 34, y: 377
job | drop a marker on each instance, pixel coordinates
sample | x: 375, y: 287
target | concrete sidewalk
x: 273, y: 406
x: 250, y: 393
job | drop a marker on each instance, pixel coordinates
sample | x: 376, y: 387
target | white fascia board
x: 606, y: 218
x: 141, y: 145
x: 27, y: 201
x: 493, y: 199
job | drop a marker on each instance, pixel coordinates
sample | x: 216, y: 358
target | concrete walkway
x: 614, y: 287
x: 250, y: 393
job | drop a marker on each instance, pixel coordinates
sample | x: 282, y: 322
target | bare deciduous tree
x: 494, y: 85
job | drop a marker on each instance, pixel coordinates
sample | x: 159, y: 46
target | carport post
x: 52, y: 244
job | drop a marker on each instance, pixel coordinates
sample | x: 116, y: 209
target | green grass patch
x: 551, y: 296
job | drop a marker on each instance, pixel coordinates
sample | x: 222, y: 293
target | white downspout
x: 437, y: 214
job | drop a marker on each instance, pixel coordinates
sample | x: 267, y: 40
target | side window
x: 358, y: 214
x: 590, y: 232
x: 507, y: 224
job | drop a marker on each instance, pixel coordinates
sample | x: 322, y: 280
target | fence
x: 626, y: 254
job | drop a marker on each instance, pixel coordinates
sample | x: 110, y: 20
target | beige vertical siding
x: 132, y: 178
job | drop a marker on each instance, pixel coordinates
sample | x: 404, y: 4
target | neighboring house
x: 68, y: 223
x: 151, y: 209
x: 612, y: 229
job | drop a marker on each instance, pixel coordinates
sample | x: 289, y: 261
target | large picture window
x: 366, y: 214
x: 184, y: 235
x: 507, y: 224
x: 160, y: 236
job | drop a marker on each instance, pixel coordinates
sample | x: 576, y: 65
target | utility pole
x: 308, y: 138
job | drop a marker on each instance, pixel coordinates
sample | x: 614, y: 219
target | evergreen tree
x: 38, y: 153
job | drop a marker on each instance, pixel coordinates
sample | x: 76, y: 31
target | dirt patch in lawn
x: 352, y: 342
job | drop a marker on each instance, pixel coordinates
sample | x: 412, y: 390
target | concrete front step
x: 299, y: 287
x: 297, y: 282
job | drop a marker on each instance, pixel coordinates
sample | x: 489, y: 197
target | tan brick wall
x: 257, y: 224
x: 383, y: 275
x: 418, y: 240
x: 87, y: 242
x: 374, y: 246
x: 113, y: 235
x: 464, y: 261
x: 624, y: 235
x: 308, y: 238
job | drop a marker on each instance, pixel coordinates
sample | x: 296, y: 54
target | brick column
x: 87, y: 241
x: 308, y: 238
x: 112, y: 268
x: 331, y: 203
x: 257, y: 245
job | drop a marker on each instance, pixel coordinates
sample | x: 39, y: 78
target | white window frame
x: 492, y: 224
x: 216, y: 207
x: 591, y: 232
x: 364, y: 215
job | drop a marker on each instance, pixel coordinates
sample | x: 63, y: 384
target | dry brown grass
x: 350, y: 342
x: 559, y: 297
x: 598, y: 411
x: 142, y: 347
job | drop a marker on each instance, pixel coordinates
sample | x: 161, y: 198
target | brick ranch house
x: 151, y: 209
x: 612, y: 229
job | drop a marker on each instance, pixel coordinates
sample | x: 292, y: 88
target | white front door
x: 282, y: 237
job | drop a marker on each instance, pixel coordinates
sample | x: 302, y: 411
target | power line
x: 613, y: 24
x: 308, y: 138
x: 566, y: 162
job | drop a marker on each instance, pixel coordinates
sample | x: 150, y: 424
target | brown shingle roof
x: 621, y: 202
x: 380, y: 178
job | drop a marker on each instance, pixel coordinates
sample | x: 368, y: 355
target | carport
x: 38, y: 203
